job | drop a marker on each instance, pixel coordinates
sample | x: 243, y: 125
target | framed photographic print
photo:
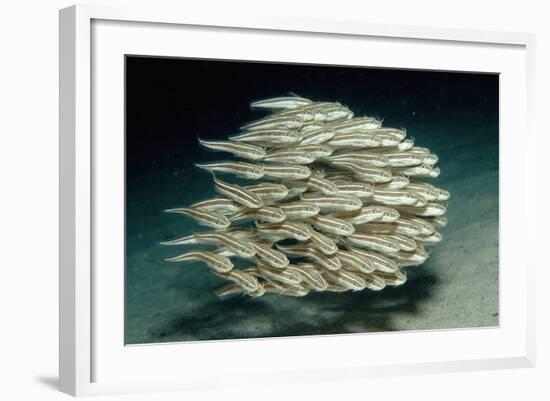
x: 347, y: 193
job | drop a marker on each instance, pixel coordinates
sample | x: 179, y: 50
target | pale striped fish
x: 388, y: 140
x: 216, y: 262
x: 218, y: 205
x: 241, y: 248
x: 319, y: 184
x: 232, y: 289
x: 405, y: 243
x: 360, y: 157
x: 333, y: 114
x: 398, y: 226
x: 268, y: 191
x: 243, y: 170
x: 288, y: 102
x: 357, y: 124
x: 329, y: 262
x: 316, y: 137
x: 208, y: 219
x: 397, y: 182
x: 429, y: 194
x: 404, y: 159
x: 422, y: 170
x: 271, y: 256
x: 357, y: 189
x: 398, y: 134
x: 332, y: 202
x: 299, y: 210
x: 442, y: 195
x: 311, y: 275
x: 430, y: 239
x: 367, y: 173
x: 440, y: 221
x: 323, y: 243
x: 430, y: 159
x: 297, y: 290
x: 288, y: 123
x: 380, y: 262
x: 291, y: 156
x: 244, y: 150
x: 311, y: 126
x: 320, y: 105
x: 414, y: 258
x: 355, y: 261
x: 288, y: 229
x: 305, y: 115
x: 269, y: 214
x: 363, y: 215
x: 394, y: 279
x: 238, y: 194
x: 317, y: 151
x: 332, y: 225
x: 284, y: 275
x: 294, y: 192
x: 430, y: 210
x: 420, y: 150
x: 268, y: 137
x: 375, y: 242
x: 246, y: 281
x: 373, y: 281
x: 346, y: 279
x: 396, y: 197
x: 426, y: 227
x: 357, y: 140
x: 286, y: 171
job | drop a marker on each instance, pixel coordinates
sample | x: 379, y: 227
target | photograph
x: 273, y: 199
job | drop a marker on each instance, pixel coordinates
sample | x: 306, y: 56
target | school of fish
x: 334, y: 202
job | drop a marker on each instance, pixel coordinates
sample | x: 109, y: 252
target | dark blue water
x: 172, y: 101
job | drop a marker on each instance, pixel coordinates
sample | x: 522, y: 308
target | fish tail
x: 190, y: 239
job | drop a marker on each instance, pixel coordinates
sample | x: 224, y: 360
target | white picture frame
x: 90, y: 364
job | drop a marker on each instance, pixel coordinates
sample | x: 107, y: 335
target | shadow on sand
x: 317, y: 313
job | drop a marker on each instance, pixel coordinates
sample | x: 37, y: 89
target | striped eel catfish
x: 332, y: 225
x: 276, y: 122
x: 329, y: 262
x: 241, y: 248
x: 288, y: 229
x: 332, y: 202
x: 290, y: 156
x: 268, y: 191
x: 243, y: 150
x: 238, y: 194
x: 217, y: 205
x: 299, y: 210
x: 268, y: 137
x: 323, y: 243
x: 355, y: 261
x: 289, y: 102
x: 243, y: 170
x: 286, y: 171
x: 218, y: 263
x: 268, y: 214
x: 394, y: 279
x: 346, y: 279
x: 317, y: 184
x: 246, y: 281
x: 311, y: 275
x: 208, y: 219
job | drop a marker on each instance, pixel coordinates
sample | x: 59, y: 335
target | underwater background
x: 172, y: 101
